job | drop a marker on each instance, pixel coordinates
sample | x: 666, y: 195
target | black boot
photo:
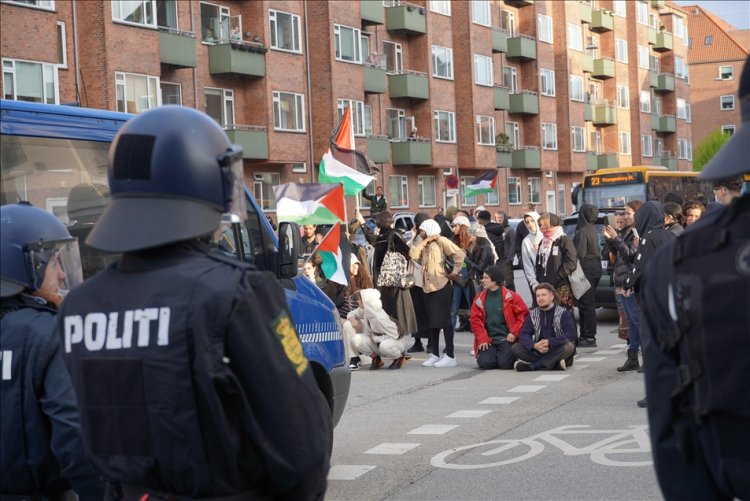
x: 587, y: 342
x: 631, y: 363
x: 642, y: 403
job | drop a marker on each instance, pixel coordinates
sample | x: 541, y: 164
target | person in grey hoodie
x: 586, y: 241
x: 529, y: 248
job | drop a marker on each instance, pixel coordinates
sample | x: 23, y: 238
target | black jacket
x: 625, y: 248
x: 502, y: 237
x: 479, y: 258
x: 586, y: 241
x: 560, y: 264
x: 649, y: 221
x: 377, y: 204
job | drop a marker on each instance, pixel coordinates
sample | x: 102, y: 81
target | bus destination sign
x: 595, y: 180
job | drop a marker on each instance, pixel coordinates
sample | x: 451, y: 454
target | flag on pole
x: 482, y: 184
x: 333, y: 171
x: 335, y: 253
x: 310, y: 203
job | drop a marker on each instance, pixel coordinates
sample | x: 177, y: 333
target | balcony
x: 521, y: 47
x: 666, y: 159
x: 499, y: 40
x: 658, y: 4
x: 519, y: 3
x: 413, y: 152
x: 502, y: 97
x: 665, y: 83
x: 602, y: 21
x: 604, y: 68
x: 252, y: 138
x: 529, y: 157
x: 377, y: 149
x: 604, y: 115
x: 524, y: 102
x: 585, y: 12
x: 406, y: 19
x: 664, y: 124
x: 372, y: 12
x: 651, y: 36
x: 653, y: 78
x: 605, y: 160
x: 588, y: 112
x: 664, y: 42
x: 375, y: 80
x: 591, y: 161
x: 587, y: 63
x: 237, y: 58
x: 177, y: 48
x: 503, y: 156
x: 409, y: 85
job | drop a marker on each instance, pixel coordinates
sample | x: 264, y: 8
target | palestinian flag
x: 310, y: 203
x: 335, y: 253
x: 334, y: 171
x: 482, y: 184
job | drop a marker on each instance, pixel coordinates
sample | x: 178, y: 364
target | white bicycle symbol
x: 633, y: 441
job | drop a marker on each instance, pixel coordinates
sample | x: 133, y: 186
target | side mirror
x: 289, y: 248
x: 575, y: 195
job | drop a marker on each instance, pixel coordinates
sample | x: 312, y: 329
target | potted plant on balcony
x: 502, y: 143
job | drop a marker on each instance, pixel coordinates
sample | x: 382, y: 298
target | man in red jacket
x: 497, y: 315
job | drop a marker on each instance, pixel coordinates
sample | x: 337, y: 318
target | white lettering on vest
x: 113, y: 342
x: 127, y: 330
x: 144, y: 317
x: 7, y: 358
x: 95, y: 331
x: 99, y: 331
x: 163, y: 326
x: 73, y: 331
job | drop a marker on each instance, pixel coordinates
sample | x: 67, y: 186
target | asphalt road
x: 422, y: 433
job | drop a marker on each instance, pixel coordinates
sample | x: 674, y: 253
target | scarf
x: 550, y: 236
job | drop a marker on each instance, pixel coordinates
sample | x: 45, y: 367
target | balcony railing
x: 502, y: 97
x: 522, y: 47
x: 588, y: 112
x: 664, y: 42
x: 409, y: 84
x: 406, y: 19
x: 651, y: 36
x: 653, y: 78
x: 665, y: 83
x: 604, y: 113
x: 499, y: 40
x: 528, y: 157
x: 587, y: 63
x: 664, y: 124
x: 524, y: 102
x: 177, y: 48
x: 585, y: 12
x: 412, y: 152
x: 602, y: 21
x: 252, y: 138
x: 375, y: 79
x: 606, y: 160
x: 372, y: 12
x: 666, y: 159
x: 604, y: 68
x: 238, y: 58
x: 377, y: 148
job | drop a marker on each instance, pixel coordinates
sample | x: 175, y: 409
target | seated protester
x: 548, y: 335
x: 374, y: 332
x: 497, y: 315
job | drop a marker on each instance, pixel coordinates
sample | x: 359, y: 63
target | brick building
x: 542, y: 90
x: 716, y: 56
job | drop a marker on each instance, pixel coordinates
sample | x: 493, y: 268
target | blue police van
x: 56, y: 158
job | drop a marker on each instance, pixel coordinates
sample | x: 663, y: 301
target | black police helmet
x: 170, y: 180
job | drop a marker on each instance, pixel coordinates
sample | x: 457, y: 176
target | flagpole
x: 460, y: 195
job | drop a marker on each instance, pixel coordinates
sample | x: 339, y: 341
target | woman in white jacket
x: 529, y: 248
x: 375, y: 333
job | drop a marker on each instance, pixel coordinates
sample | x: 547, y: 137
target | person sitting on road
x: 548, y: 335
x: 497, y: 315
x: 375, y: 333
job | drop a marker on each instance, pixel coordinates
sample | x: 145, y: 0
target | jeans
x: 457, y: 291
x: 632, y: 314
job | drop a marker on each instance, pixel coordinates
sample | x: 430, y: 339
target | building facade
x: 440, y: 91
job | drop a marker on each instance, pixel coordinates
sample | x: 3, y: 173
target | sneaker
x: 561, y: 365
x: 521, y: 366
x: 587, y: 342
x: 446, y: 361
x: 377, y: 363
x: 473, y: 353
x: 398, y: 363
x: 416, y: 348
x: 430, y: 361
x: 354, y: 364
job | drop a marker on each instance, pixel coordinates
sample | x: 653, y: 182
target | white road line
x: 526, y: 388
x: 432, y: 429
x: 607, y: 352
x: 348, y: 471
x: 551, y: 377
x: 468, y: 414
x: 499, y: 400
x: 590, y: 359
x: 392, y: 448
x: 577, y: 367
x: 621, y: 345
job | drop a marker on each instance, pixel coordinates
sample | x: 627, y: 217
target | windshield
x: 614, y: 196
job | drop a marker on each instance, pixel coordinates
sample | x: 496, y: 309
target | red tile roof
x: 727, y: 42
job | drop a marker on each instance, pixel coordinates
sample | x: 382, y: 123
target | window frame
x: 398, y: 56
x: 731, y: 72
x: 299, y: 100
x: 479, y: 127
x: 573, y: 94
x: 641, y: 10
x: 421, y: 191
x: 273, y: 29
x: 578, y: 38
x: 162, y: 83
x: 490, y: 73
x: 621, y: 50
x: 154, y: 13
x: 619, y: 8
x: 623, y: 97
x: 50, y: 7
x: 358, y: 114
x: 729, y: 128
x: 471, y: 201
x: 227, y: 97
x: 263, y: 197
x: 548, y: 75
x: 534, y: 184
x: 44, y: 66
x: 356, y: 43
x: 517, y: 194
x: 404, y: 185
x: 643, y: 59
x: 487, y: 14
x: 440, y: 7
x: 647, y: 152
x: 63, y: 48
x: 549, y: 128
x: 645, y: 106
x: 451, y: 116
x: 149, y: 79
x: 621, y: 148
x: 721, y: 102
x: 297, y: 169
x: 448, y: 54
x: 541, y: 20
x: 573, y: 130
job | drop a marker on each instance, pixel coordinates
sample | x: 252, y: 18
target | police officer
x: 696, y: 301
x: 190, y: 377
x: 41, y: 450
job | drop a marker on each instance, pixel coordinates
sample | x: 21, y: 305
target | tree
x: 708, y: 148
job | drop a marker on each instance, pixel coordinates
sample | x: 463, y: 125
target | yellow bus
x: 613, y: 188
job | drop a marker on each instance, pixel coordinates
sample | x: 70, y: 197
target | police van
x: 56, y: 158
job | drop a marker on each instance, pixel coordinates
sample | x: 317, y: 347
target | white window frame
x: 647, y: 145
x: 575, y: 37
x: 621, y: 50
x: 358, y: 114
x: 680, y: 28
x: 645, y: 101
x: 42, y: 5
x: 179, y: 91
x: 514, y: 193
x: 266, y: 199
x: 299, y: 110
x: 624, y: 143
x: 513, y: 84
x: 224, y: 17
x: 117, y: 14
x: 508, y: 22
x: 684, y: 149
x: 403, y: 187
x: 481, y: 12
x: 549, y: 136
x: 9, y: 67
x: 488, y: 69
x: 623, y: 97
x: 338, y: 34
x: 447, y: 53
x: 680, y: 68
x: 544, y: 28
x: 730, y: 100
x: 274, y: 31
x: 121, y: 79
x: 730, y: 73
x: 513, y: 131
x: 62, y: 39
x: 398, y: 57
x: 576, y: 89
x: 299, y: 167
x: 730, y: 129
x: 619, y: 8
x: 535, y: 190
x: 643, y: 60
x: 421, y: 191
x: 641, y: 12
x: 681, y: 106
x: 368, y: 119
x: 467, y: 201
x: 439, y: 116
x: 441, y: 7
x: 547, y: 82
x: 227, y: 98
x: 577, y: 143
x: 492, y: 197
x: 480, y: 122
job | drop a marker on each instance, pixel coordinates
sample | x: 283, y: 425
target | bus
x: 615, y: 187
x: 55, y: 157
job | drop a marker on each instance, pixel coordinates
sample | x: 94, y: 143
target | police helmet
x: 31, y: 240
x: 732, y: 158
x: 172, y: 174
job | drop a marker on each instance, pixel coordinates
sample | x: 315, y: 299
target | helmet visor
x: 55, y: 267
x: 235, y: 210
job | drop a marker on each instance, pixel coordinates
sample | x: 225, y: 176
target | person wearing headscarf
x: 432, y: 251
x: 589, y: 252
x: 529, y: 248
x: 556, y: 259
x: 673, y: 218
x: 417, y: 292
x: 373, y: 332
x: 481, y: 253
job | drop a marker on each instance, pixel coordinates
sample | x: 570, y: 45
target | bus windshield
x: 614, y: 196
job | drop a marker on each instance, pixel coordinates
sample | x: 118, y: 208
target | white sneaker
x: 446, y: 361
x: 430, y: 361
x: 561, y: 365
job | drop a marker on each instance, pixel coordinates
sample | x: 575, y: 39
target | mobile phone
x: 611, y: 220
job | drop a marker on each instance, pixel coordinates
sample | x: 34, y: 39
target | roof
x: 726, y: 44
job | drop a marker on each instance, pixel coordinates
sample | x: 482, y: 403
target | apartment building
x: 440, y: 91
x: 716, y: 56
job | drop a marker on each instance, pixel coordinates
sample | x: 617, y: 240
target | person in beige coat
x: 373, y: 332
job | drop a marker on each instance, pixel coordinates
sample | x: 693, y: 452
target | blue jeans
x: 457, y: 291
x: 632, y: 314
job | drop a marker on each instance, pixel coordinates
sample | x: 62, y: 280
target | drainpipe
x: 75, y: 54
x: 195, y: 70
x: 309, y: 98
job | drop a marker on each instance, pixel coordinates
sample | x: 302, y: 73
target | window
x: 483, y: 70
x: 709, y: 40
x: 40, y: 4
x: 623, y: 97
x: 217, y: 25
x: 510, y: 78
x: 442, y: 62
x: 549, y: 136
x: 575, y: 37
x: 621, y: 50
x: 398, y: 191
x: 641, y: 12
x: 136, y: 93
x: 358, y: 114
x: 535, y: 195
x: 171, y: 93
x: 514, y: 190
x: 619, y: 7
x: 347, y: 43
x: 656, y: 104
x: 467, y: 201
x: 680, y: 28
x: 29, y: 81
x: 643, y: 54
x: 289, y: 111
x: 728, y: 130
x: 576, y: 88
x: 493, y: 197
x: 680, y: 68
x: 480, y: 12
x: 547, y: 82
x: 393, y: 56
x: 726, y: 72
x: 682, y: 108
x: 514, y: 134
x: 647, y: 145
x: 645, y: 98
x: 368, y: 120
x: 441, y: 7
x: 561, y: 199
x: 396, y: 123
x: 426, y: 189
x: 445, y: 127
x: 684, y: 149
x: 624, y: 143
x: 727, y: 102
x: 285, y: 31
x: 508, y: 22
x: 134, y: 11
x: 485, y: 130
x: 62, y: 46
x: 299, y: 168
x: 578, y: 139
x: 653, y: 63
x: 544, y: 28
x: 220, y: 105
x: 263, y: 189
